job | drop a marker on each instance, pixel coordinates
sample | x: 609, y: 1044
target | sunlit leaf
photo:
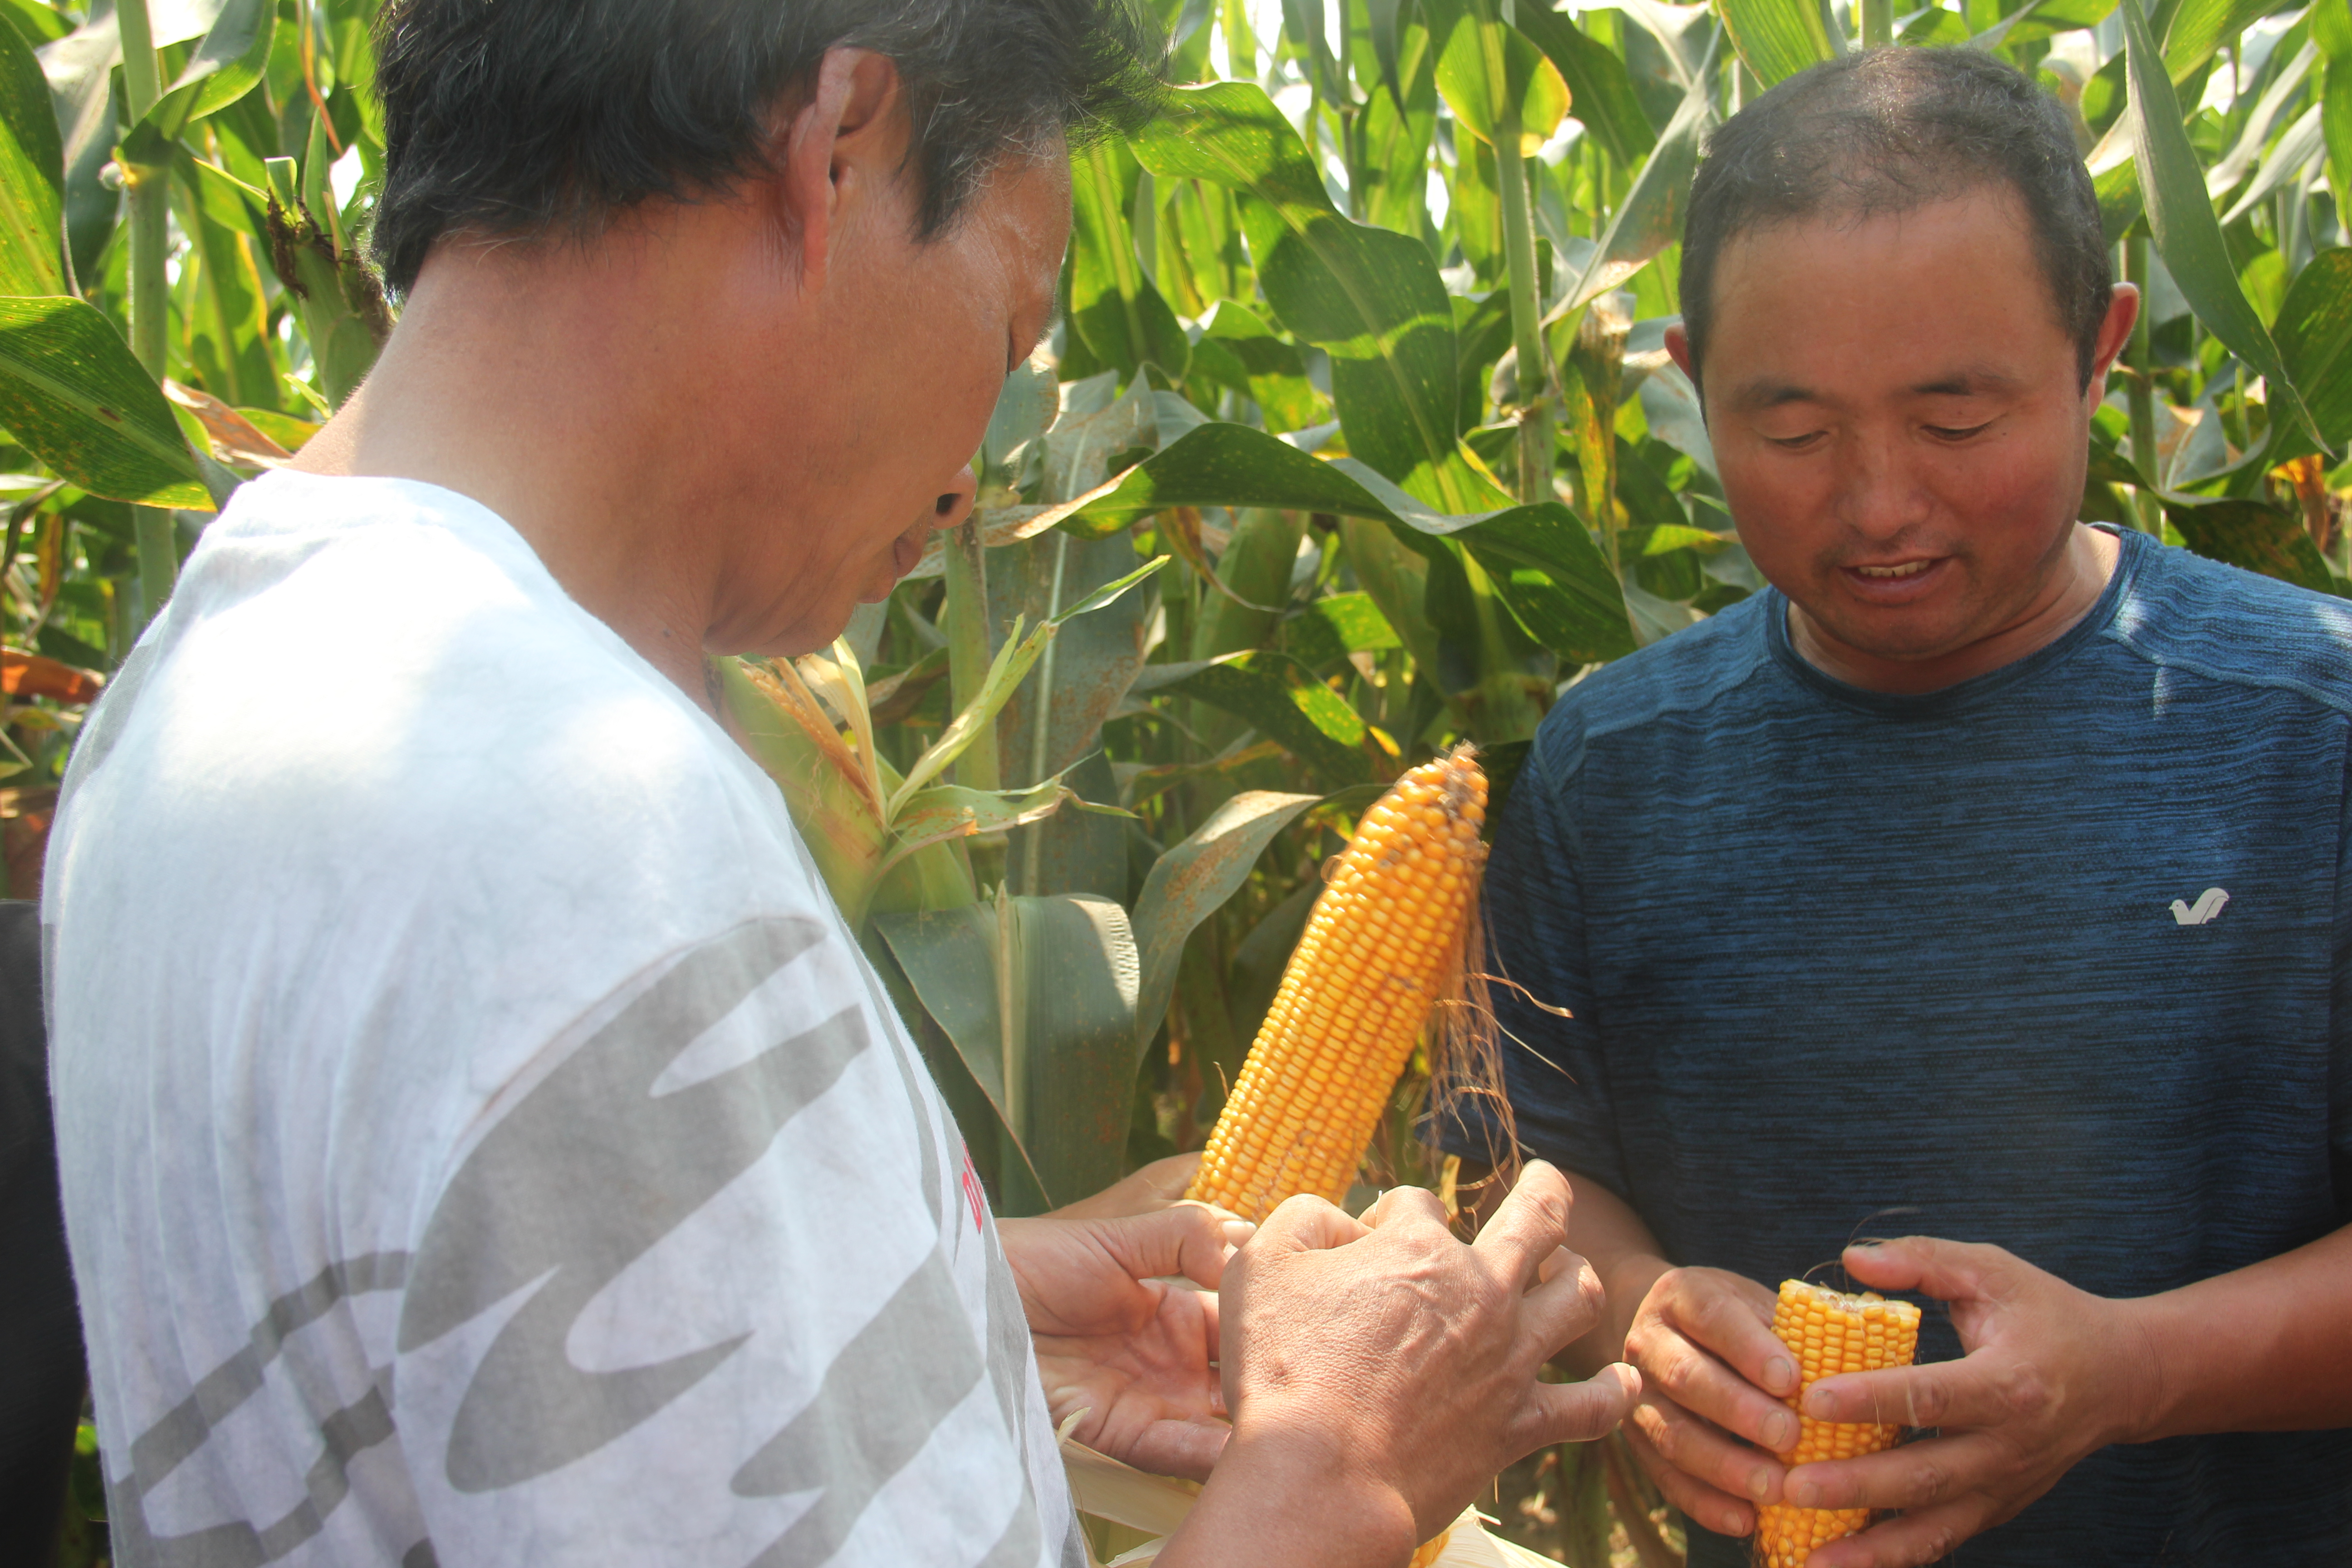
x: 71, y: 394
x: 2180, y: 218
x: 1600, y: 93
x: 1370, y: 298
x: 1531, y: 79
x: 1074, y: 1052
x: 1191, y: 882
x: 1649, y: 218
x: 2254, y: 535
x: 225, y: 67
x: 1279, y: 699
x: 1113, y: 305
x: 1777, y: 38
x: 1545, y: 567
x: 32, y: 175
x: 2315, y: 337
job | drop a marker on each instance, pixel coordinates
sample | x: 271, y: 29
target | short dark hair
x: 518, y: 116
x: 1893, y: 128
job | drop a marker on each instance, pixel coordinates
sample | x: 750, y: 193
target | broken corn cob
x: 1830, y: 1333
x: 1383, y: 940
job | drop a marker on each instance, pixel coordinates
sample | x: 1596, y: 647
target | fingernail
x: 1781, y: 1431
x: 1781, y: 1371
x: 1237, y: 1231
x: 1734, y: 1523
x: 1803, y: 1494
x: 1759, y: 1484
x: 1821, y: 1405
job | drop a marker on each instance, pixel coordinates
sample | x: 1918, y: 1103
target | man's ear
x: 842, y: 146
x: 1678, y: 349
x: 2115, y: 332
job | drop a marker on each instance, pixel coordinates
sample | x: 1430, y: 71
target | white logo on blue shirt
x: 2208, y: 904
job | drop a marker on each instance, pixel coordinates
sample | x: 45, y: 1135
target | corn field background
x: 1358, y: 438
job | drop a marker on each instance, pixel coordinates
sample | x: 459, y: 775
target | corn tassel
x: 1830, y: 1332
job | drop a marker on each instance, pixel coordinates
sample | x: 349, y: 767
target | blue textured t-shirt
x: 2059, y: 958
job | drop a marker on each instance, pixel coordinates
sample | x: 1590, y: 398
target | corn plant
x: 1358, y: 439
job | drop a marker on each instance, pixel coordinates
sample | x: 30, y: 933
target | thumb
x: 1948, y: 1270
x: 1186, y: 1238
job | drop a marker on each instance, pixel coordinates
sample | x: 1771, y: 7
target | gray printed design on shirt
x: 560, y: 1187
x: 160, y: 1449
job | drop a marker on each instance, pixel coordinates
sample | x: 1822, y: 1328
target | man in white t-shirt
x: 481, y: 1140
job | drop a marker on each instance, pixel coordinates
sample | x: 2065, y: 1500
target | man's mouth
x: 905, y: 551
x: 1895, y: 573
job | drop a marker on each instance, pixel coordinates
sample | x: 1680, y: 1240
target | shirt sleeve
x: 1554, y: 1071
x: 2339, y: 1018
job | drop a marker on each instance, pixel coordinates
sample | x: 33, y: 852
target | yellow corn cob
x: 1379, y: 945
x: 1832, y: 1333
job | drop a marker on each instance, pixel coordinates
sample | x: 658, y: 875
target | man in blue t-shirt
x: 1983, y: 877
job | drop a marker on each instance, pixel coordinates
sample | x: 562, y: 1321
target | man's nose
x: 1879, y: 496
x: 954, y: 504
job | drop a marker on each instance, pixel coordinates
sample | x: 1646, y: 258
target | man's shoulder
x: 1693, y: 670
x: 359, y: 686
x: 2198, y: 617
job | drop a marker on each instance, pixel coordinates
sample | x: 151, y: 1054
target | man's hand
x: 1712, y: 1374
x: 1402, y: 1361
x: 1135, y: 1352
x: 2050, y: 1374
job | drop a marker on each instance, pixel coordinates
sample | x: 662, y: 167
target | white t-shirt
x: 482, y: 1141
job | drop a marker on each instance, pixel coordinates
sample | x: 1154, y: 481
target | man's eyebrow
x: 1976, y: 380
x: 1755, y: 396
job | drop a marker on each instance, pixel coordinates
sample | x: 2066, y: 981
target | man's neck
x: 532, y: 396
x: 2077, y: 578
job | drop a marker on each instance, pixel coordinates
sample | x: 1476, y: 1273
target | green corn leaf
x: 944, y: 812
x: 1370, y: 298
x: 1543, y: 563
x: 1006, y: 671
x: 1777, y: 38
x: 1529, y: 77
x: 32, y: 175
x: 1278, y: 698
x: 2180, y: 218
x: 2199, y: 27
x: 1113, y: 306
x: 1273, y: 373
x: 71, y: 394
x: 1601, y: 92
x: 2297, y: 146
x: 1331, y: 627
x: 225, y: 66
x: 1072, y: 1009
x: 1649, y: 218
x: 2253, y: 535
x: 2331, y: 30
x: 2315, y: 336
x: 1191, y: 882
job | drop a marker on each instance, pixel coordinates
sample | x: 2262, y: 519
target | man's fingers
x: 1155, y: 1186
x: 1580, y: 1412
x: 1912, y: 1476
x: 1716, y: 1509
x: 1566, y: 1305
x: 1736, y: 1326
x: 1908, y: 1541
x: 1948, y: 1270
x: 1307, y: 1223
x: 1979, y: 1390
x: 1405, y: 1205
x: 1699, y: 1449
x: 1190, y: 1240
x: 1186, y: 1448
x: 1531, y: 1225
x: 1692, y: 1377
